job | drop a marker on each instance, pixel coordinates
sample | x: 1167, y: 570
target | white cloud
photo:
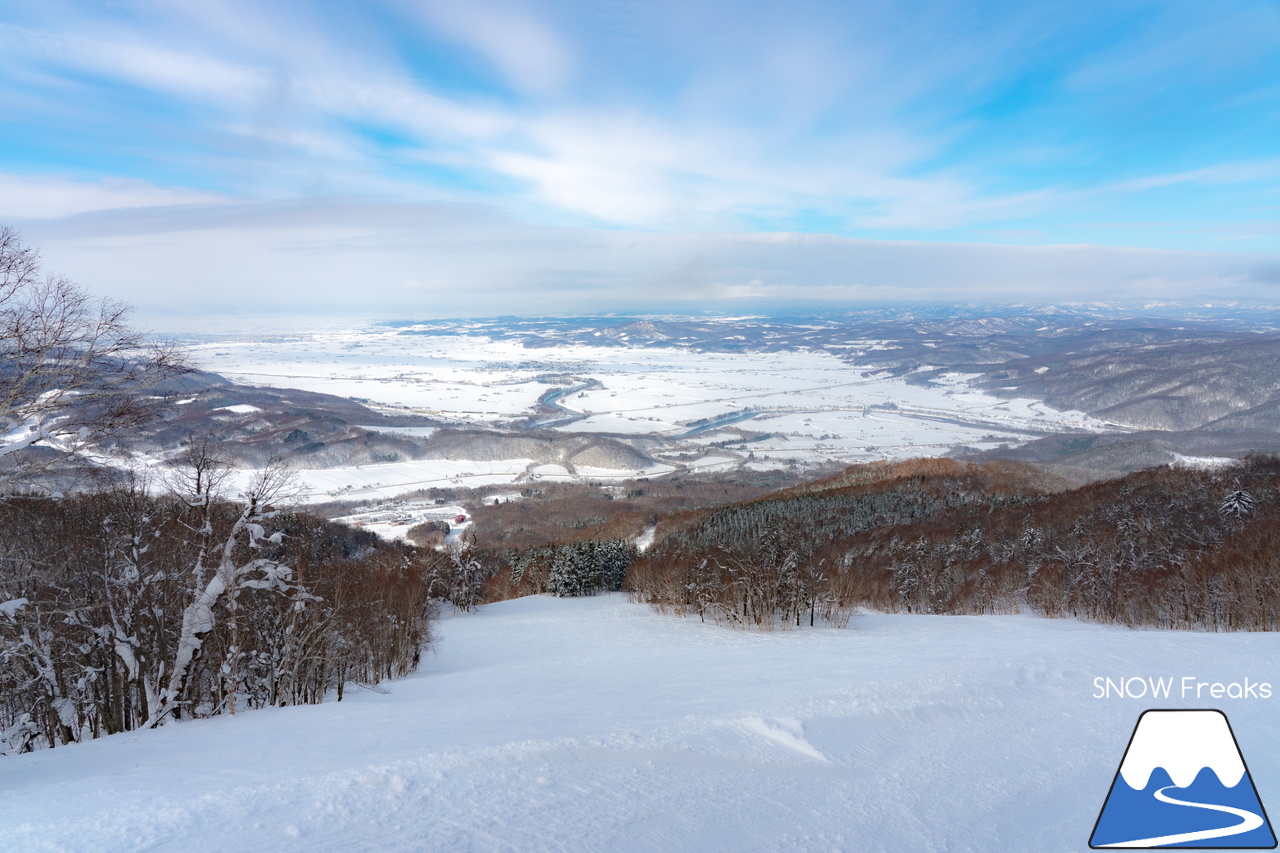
x: 1218, y: 174
x: 284, y: 99
x: 756, y: 117
x: 397, y: 259
x: 35, y: 197
x: 526, y: 51
x: 137, y: 62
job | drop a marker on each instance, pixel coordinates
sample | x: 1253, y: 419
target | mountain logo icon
x: 1183, y: 783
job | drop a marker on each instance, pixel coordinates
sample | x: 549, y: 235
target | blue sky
x: 592, y: 153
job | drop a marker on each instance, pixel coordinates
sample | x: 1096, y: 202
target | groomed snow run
x: 596, y: 724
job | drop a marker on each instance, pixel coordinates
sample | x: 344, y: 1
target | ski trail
x: 1249, y: 821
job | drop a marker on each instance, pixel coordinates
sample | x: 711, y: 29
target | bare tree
x: 196, y: 476
x: 71, y: 367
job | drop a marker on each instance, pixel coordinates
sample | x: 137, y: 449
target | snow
x: 391, y: 479
x: 417, y: 432
x: 393, y: 519
x: 387, y: 480
x: 240, y: 409
x: 590, y: 472
x: 1204, y: 462
x: 596, y: 724
x: 464, y: 379
x: 551, y: 473
x: 713, y: 463
x: 819, y: 406
x: 645, y: 539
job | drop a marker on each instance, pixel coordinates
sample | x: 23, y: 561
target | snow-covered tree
x: 105, y: 595
x: 571, y: 571
x: 467, y: 577
x: 239, y: 567
x: 1238, y: 504
x: 71, y: 367
x: 586, y: 567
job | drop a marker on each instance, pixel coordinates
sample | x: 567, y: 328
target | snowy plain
x: 596, y: 724
x: 477, y: 380
x: 797, y: 407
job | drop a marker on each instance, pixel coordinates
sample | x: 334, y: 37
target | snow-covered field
x: 773, y: 408
x: 641, y: 390
x: 393, y: 519
x: 391, y: 479
x: 596, y: 724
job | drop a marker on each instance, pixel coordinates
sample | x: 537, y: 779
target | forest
x: 1170, y: 547
x: 126, y: 606
x: 131, y: 604
x: 137, y: 602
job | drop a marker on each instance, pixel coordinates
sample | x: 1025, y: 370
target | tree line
x: 120, y: 609
x: 1166, y: 547
x: 577, y: 568
x: 128, y: 606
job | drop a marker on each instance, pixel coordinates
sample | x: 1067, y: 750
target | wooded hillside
x: 1166, y: 547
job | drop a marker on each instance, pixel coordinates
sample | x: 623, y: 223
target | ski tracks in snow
x: 595, y: 724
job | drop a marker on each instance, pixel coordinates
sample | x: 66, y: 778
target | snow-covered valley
x: 597, y: 724
x: 684, y: 409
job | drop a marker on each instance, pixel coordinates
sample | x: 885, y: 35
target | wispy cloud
x: 528, y: 53
x: 46, y: 197
x: 1217, y: 175
x: 922, y: 120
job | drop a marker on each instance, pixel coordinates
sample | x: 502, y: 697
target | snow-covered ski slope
x: 596, y: 724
